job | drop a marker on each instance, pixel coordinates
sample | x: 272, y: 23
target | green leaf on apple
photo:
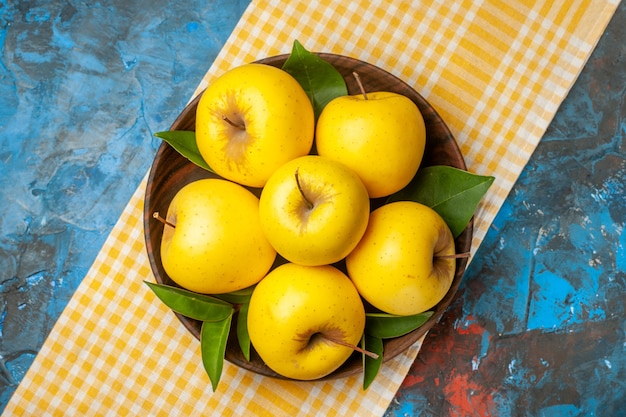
x: 320, y: 80
x: 241, y: 299
x: 236, y: 297
x: 387, y: 326
x: 191, y: 304
x: 371, y: 366
x: 243, y: 337
x: 213, y: 338
x: 451, y: 192
x: 184, y: 141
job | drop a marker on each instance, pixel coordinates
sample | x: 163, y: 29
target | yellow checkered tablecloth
x: 495, y: 70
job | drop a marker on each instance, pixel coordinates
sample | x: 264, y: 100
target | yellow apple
x: 214, y: 243
x: 404, y: 264
x: 381, y: 137
x: 251, y: 120
x: 297, y: 311
x: 314, y: 210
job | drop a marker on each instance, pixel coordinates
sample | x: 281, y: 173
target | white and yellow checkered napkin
x: 496, y: 71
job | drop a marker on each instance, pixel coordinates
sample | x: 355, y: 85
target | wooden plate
x: 170, y: 172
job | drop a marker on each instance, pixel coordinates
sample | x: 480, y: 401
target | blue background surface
x: 537, y: 327
x: 83, y: 86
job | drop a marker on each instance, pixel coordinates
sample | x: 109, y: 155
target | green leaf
x: 451, y: 192
x: 184, y: 141
x: 371, y: 366
x: 386, y: 326
x: 190, y: 304
x: 236, y: 297
x: 319, y: 79
x: 242, y: 330
x: 213, y: 338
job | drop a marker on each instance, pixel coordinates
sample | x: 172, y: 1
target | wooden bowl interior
x: 170, y: 172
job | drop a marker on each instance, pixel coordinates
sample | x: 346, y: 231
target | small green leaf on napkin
x: 387, y: 326
x: 451, y: 192
x: 190, y: 304
x: 243, y: 337
x: 371, y: 366
x: 184, y: 141
x: 213, y: 338
x: 319, y: 79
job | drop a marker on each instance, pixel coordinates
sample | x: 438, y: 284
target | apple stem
x: 309, y: 204
x: 233, y: 124
x: 348, y: 345
x: 455, y: 256
x: 360, y: 84
x: 162, y: 220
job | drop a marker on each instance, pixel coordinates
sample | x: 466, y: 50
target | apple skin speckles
x: 294, y: 313
x: 251, y: 120
x: 404, y: 263
x: 314, y: 210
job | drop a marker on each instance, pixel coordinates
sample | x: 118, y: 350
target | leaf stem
x: 162, y: 220
x: 309, y: 203
x: 348, y: 345
x: 360, y: 84
x: 233, y: 124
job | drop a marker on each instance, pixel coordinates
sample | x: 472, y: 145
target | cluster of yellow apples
x: 255, y: 127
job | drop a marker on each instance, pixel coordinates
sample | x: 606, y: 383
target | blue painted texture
x: 538, y: 327
x: 83, y: 86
